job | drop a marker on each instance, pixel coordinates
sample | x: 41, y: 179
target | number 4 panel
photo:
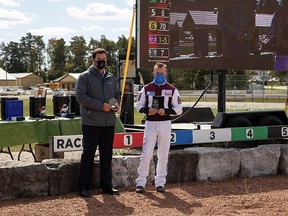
x: 212, y: 135
x: 249, y: 133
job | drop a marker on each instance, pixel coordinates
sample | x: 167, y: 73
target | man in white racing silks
x: 158, y: 100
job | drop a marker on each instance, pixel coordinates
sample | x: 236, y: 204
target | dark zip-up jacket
x: 92, y: 91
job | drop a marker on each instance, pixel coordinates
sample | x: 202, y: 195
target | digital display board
x: 204, y: 34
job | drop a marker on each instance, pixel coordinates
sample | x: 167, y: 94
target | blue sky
x: 65, y: 19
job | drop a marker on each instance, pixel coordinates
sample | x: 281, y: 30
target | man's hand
x: 106, y: 107
x: 161, y: 112
x: 152, y: 111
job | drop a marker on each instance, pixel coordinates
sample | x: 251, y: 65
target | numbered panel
x: 249, y: 133
x: 158, y: 52
x: 158, y: 26
x: 277, y: 132
x: 181, y: 137
x: 213, y: 135
x: 159, y: 12
x: 128, y: 140
x: 159, y: 39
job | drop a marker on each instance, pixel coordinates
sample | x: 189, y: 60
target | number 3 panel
x: 212, y: 135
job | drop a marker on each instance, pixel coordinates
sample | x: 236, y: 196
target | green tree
x: 282, y: 75
x: 183, y: 79
x: 12, y: 58
x: 200, y: 80
x: 33, y: 52
x: 110, y: 47
x: 122, y: 45
x: 15, y: 62
x: 77, y: 55
x: 4, y: 51
x: 57, y: 58
x: 238, y: 79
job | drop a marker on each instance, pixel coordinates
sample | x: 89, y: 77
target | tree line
x: 57, y: 58
x: 51, y: 61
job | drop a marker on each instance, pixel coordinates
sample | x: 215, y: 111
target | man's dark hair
x: 98, y: 50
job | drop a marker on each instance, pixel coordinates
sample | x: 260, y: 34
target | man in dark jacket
x: 95, y: 88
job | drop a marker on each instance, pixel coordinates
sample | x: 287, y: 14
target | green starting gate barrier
x: 249, y: 133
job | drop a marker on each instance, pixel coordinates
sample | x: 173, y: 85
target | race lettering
x: 69, y: 143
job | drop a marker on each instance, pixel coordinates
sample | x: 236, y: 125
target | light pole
x: 5, y: 63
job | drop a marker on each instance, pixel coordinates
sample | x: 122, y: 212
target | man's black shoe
x: 111, y: 191
x: 160, y: 189
x: 84, y: 193
x: 139, y: 189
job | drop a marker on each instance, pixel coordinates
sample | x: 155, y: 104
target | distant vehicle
x: 49, y: 91
x: 11, y: 91
x: 273, y: 80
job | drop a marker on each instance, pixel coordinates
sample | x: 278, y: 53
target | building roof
x: 210, y: 18
x: 177, y: 18
x: 204, y: 17
x: 74, y: 75
x: 21, y: 75
x: 5, y: 75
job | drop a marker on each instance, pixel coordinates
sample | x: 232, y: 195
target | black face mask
x: 101, y: 64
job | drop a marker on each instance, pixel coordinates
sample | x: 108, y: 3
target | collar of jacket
x: 96, y: 72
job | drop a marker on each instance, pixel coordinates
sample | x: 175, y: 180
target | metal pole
x: 5, y: 62
x: 221, y: 90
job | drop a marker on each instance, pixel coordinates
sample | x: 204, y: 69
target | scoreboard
x: 154, y: 31
x: 158, y: 29
x: 187, y: 34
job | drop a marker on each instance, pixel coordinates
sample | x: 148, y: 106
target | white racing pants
x: 160, y: 132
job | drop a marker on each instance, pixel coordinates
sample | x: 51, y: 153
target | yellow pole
x: 127, y: 58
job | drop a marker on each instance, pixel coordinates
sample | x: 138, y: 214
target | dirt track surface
x: 239, y: 196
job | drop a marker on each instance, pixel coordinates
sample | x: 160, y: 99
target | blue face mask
x: 159, y: 79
